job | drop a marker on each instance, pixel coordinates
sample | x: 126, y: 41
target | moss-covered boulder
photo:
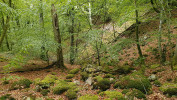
x: 123, y: 69
x: 62, y: 86
x: 21, y: 84
x: 103, y: 84
x: 169, y: 89
x: 84, y: 76
x: 135, y: 93
x: 49, y: 79
x: 71, y: 94
x: 113, y: 95
x: 157, y: 83
x: 44, y: 92
x: 74, y: 71
x: 89, y: 97
x: 135, y: 80
x: 69, y: 76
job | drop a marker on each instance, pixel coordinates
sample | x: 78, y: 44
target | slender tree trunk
x: 72, y: 37
x: 77, y: 42
x: 44, y: 53
x: 56, y: 30
x: 137, y: 33
x: 5, y: 26
x: 175, y: 55
x: 114, y: 30
x: 7, y: 42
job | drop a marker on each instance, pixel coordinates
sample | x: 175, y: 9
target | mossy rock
x: 7, y: 97
x: 123, y: 69
x: 108, y: 76
x: 135, y: 93
x: 157, y: 83
x: 135, y: 80
x: 44, y: 92
x: 88, y: 97
x: 103, y: 84
x: 49, y: 79
x: 169, y: 88
x: 74, y: 71
x: 71, y: 94
x: 69, y: 76
x: 125, y: 91
x: 84, y: 76
x: 114, y: 95
x: 21, y: 84
x: 98, y: 78
x: 62, y: 86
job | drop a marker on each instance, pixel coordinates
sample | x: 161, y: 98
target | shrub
x: 23, y: 83
x: 88, y: 97
x: 69, y: 76
x: 84, y: 75
x: 135, y: 93
x: 103, y: 84
x: 74, y: 71
x: 114, y: 95
x: 169, y: 88
x: 135, y: 80
x: 71, y: 94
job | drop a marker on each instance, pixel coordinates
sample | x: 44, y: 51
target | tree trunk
x: 72, y: 57
x: 43, y: 54
x: 175, y: 55
x: 137, y: 33
x: 60, y: 62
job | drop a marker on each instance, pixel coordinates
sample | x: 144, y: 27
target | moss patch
x: 88, y: 97
x: 74, y: 71
x: 169, y: 88
x: 84, y: 76
x: 23, y: 83
x: 135, y: 80
x: 135, y: 93
x: 69, y: 76
x: 114, y: 95
x: 71, y: 94
x: 103, y: 84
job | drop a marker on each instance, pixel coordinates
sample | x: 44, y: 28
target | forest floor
x: 164, y: 76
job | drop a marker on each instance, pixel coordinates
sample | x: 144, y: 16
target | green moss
x: 108, y: 76
x: 135, y: 93
x: 157, y: 83
x: 154, y: 66
x: 23, y: 83
x: 49, y: 79
x: 135, y: 80
x: 44, y: 92
x: 98, y: 78
x: 89, y: 97
x: 123, y: 69
x: 103, y: 84
x: 114, y: 95
x: 69, y: 76
x: 169, y: 88
x: 62, y: 86
x: 84, y: 75
x: 74, y: 71
x: 7, y: 97
x: 71, y: 94
x: 125, y: 91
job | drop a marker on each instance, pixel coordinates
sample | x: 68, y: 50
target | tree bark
x: 137, y: 33
x: 56, y: 30
x: 72, y: 57
x: 175, y: 55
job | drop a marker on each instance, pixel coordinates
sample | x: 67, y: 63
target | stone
x: 152, y: 77
x: 89, y: 81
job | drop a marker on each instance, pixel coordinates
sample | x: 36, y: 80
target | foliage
x: 88, y: 97
x: 157, y: 83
